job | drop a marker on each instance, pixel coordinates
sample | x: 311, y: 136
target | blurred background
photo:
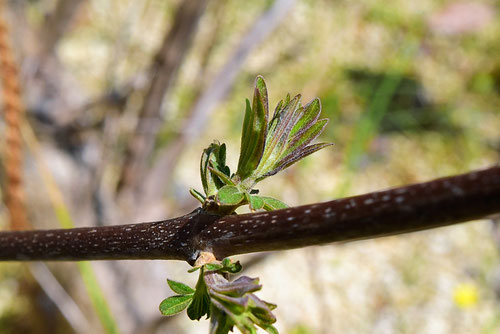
x: 121, y: 97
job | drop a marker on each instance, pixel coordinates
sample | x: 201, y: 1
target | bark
x: 421, y: 206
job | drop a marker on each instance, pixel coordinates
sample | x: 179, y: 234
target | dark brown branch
x: 410, y: 208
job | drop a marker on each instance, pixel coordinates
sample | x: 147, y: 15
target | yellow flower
x: 466, y: 295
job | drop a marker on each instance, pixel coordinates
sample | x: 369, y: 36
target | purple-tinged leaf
x: 298, y: 155
x: 236, y: 304
x: 302, y: 139
x: 309, y: 116
x: 238, y: 287
x: 276, y: 141
x: 261, y: 310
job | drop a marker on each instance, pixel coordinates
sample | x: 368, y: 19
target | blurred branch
x: 416, y: 207
x: 56, y: 25
x: 216, y: 91
x: 66, y: 305
x: 164, y: 70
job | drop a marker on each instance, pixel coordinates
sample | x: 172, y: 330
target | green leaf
x: 192, y: 270
x: 196, y: 194
x: 220, y: 323
x: 199, y: 306
x: 271, y: 204
x: 309, y: 116
x: 306, y: 136
x: 223, y: 177
x: 270, y: 329
x: 175, y: 304
x: 279, y: 132
x: 226, y: 262
x: 213, y: 266
x: 253, y: 136
x: 180, y: 288
x: 256, y: 202
x: 207, y: 180
x: 201, y: 300
x: 229, y: 195
x: 230, y: 266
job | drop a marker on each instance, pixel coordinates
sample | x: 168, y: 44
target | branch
x: 164, y: 70
x: 416, y: 207
x: 57, y: 24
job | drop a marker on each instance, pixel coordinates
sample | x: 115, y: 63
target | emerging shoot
x: 267, y: 147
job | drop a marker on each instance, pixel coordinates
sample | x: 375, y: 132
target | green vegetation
x: 267, y: 147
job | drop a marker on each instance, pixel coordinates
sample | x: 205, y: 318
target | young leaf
x: 213, y: 266
x: 180, y: 288
x: 309, y: 116
x: 297, y: 155
x: 306, y: 136
x: 229, y: 195
x: 201, y: 301
x: 223, y: 177
x: 271, y: 204
x: 220, y: 323
x: 270, y: 329
x: 236, y: 305
x: 196, y: 194
x: 260, y: 310
x: 256, y: 202
x: 254, y: 130
x: 238, y: 287
x: 208, y: 182
x: 175, y: 304
x: 230, y: 266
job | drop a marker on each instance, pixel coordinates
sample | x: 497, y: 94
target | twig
x: 421, y: 206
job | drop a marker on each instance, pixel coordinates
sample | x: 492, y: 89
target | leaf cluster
x: 228, y: 304
x: 267, y: 147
